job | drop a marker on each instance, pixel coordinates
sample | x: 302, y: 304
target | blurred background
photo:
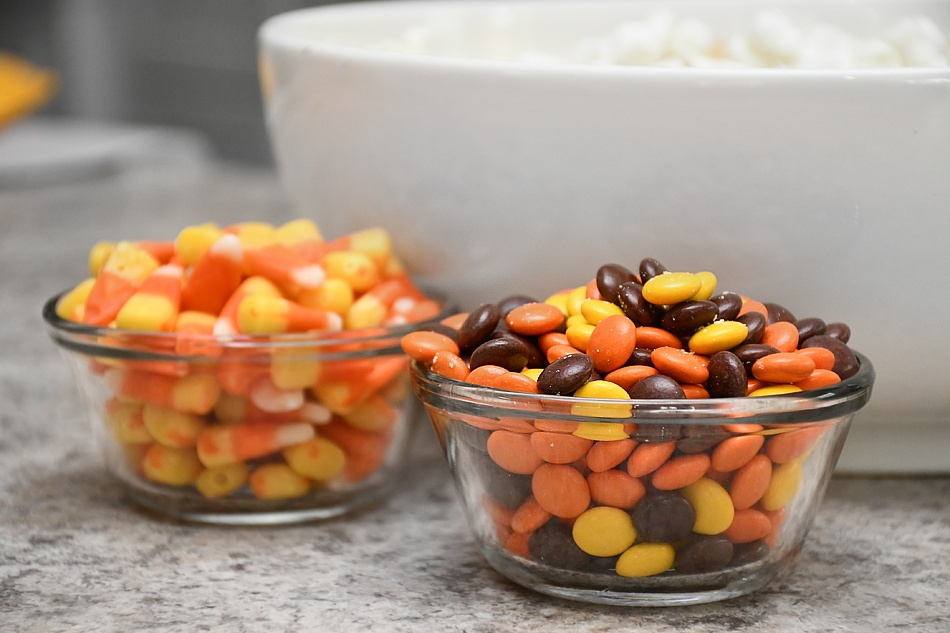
x: 188, y: 64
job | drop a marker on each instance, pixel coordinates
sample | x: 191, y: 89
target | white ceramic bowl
x: 825, y: 190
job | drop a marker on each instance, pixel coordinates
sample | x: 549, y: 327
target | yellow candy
x: 74, y: 300
x: 172, y: 428
x: 558, y: 300
x: 171, y: 466
x: 596, y: 310
x: 708, y: 286
x: 293, y: 369
x: 375, y: 243
x: 601, y: 389
x: 774, y: 390
x: 193, y: 241
x: 532, y: 372
x: 354, y: 267
x: 575, y: 298
x: 786, y: 478
x: 124, y: 419
x: 195, y: 393
x: 604, y: 531
x: 154, y: 306
x: 318, y: 458
x: 670, y: 288
x: 296, y: 230
x: 601, y: 431
x: 334, y: 295
x: 578, y: 335
x: 277, y: 481
x: 646, y: 559
x: 221, y: 480
x: 713, y: 506
x: 98, y: 255
x: 372, y: 415
x: 255, y: 234
x: 717, y: 337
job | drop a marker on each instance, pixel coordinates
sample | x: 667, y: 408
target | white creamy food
x: 771, y: 40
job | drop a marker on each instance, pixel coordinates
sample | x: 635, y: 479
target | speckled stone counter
x: 75, y: 555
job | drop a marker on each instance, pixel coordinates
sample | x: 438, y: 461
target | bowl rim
x: 812, y: 406
x: 272, y: 33
x: 122, y: 344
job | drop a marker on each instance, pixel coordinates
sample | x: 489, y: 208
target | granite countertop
x: 75, y: 555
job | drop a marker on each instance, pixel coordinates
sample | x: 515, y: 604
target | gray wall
x: 185, y: 63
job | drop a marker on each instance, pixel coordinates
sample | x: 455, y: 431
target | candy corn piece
x: 374, y: 242
x: 357, y: 269
x: 171, y: 466
x: 261, y: 314
x: 277, y: 481
x: 118, y: 279
x: 161, y: 251
x: 266, y: 396
x: 72, y: 304
x: 374, y: 305
x: 100, y: 252
x: 282, y: 265
x: 253, y: 234
x: 197, y: 334
x: 341, y: 397
x: 194, y: 393
x: 334, y: 295
x: 221, y: 481
x: 154, y: 306
x: 194, y: 241
x: 215, y: 276
x: 303, y: 237
x: 365, y: 452
x: 227, y: 323
x: 126, y: 422
x: 98, y: 255
x: 227, y: 444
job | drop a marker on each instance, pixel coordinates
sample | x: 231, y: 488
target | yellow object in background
x: 23, y: 88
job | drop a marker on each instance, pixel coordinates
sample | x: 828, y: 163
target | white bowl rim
x: 272, y: 33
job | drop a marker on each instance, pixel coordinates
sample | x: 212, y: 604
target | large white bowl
x: 825, y: 190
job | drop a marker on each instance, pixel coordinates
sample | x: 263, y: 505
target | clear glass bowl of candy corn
x: 250, y: 374
x: 643, y: 440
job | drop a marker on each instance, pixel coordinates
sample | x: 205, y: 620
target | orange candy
x: 561, y: 490
x: 605, y: 455
x: 612, y: 342
x: 647, y: 457
x: 532, y: 319
x: 680, y: 472
x: 423, y: 345
x: 749, y: 482
x: 630, y: 375
x: 529, y: 516
x: 748, y: 525
x: 786, y: 447
x: 654, y: 337
x: 513, y: 452
x: 449, y: 365
x: 818, y: 379
x: 680, y: 365
x: 558, y: 448
x: 615, y: 488
x: 735, y: 452
x: 784, y: 367
x: 781, y: 335
x: 824, y: 358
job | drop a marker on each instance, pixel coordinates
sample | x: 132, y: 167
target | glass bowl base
x: 654, y: 591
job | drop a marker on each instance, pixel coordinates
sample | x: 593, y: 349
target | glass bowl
x: 245, y: 430
x: 640, y: 502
